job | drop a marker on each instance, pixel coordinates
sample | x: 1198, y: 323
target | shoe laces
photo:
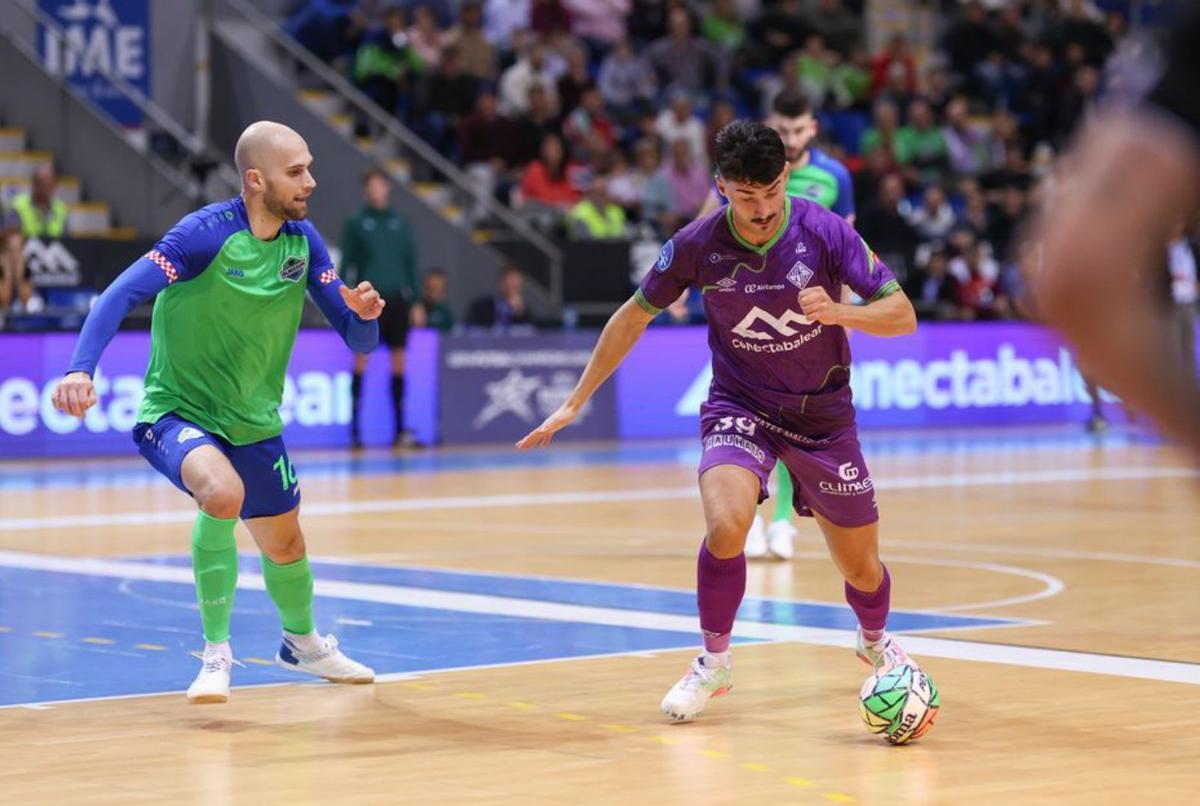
x: 699, y: 675
x: 219, y: 662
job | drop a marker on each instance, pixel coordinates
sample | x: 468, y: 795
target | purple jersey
x: 766, y: 353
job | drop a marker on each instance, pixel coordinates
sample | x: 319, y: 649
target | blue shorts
x: 264, y: 467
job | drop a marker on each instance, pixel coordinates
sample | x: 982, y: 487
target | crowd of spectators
x: 594, y: 118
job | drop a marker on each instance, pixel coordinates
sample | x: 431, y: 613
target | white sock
x: 221, y: 647
x: 719, y: 658
x: 306, y: 643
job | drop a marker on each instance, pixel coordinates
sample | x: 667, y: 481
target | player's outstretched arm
x: 620, y: 334
x: 351, y: 311
x: 74, y: 394
x: 1102, y: 238
x: 891, y: 314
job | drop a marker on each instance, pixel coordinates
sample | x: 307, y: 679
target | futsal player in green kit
x: 818, y: 177
x: 230, y: 281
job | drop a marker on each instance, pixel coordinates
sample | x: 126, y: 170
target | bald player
x: 230, y: 280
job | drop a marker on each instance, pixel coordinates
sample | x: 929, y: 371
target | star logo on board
x: 512, y: 394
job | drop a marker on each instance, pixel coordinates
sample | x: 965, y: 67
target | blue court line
x: 392, y: 638
x: 60, y: 474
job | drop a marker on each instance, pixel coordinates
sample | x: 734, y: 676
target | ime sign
x: 100, y: 38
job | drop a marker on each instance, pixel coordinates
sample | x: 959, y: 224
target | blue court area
x: 75, y: 628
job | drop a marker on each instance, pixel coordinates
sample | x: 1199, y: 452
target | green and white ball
x: 901, y: 702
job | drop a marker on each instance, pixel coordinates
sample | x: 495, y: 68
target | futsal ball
x: 901, y: 702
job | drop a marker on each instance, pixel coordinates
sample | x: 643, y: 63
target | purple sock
x: 720, y: 585
x: 871, y: 608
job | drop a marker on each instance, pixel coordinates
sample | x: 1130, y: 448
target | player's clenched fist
x: 363, y: 299
x: 816, y: 304
x: 74, y: 394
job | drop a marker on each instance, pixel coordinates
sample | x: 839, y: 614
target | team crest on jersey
x: 800, y: 275
x: 293, y: 269
x: 666, y: 256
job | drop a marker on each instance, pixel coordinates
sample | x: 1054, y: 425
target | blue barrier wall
x: 944, y: 375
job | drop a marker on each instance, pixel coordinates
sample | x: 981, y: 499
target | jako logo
x: 848, y: 472
x: 782, y: 326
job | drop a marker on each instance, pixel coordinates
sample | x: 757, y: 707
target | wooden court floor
x: 1088, y: 694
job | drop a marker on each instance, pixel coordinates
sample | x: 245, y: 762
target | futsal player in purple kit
x: 770, y: 268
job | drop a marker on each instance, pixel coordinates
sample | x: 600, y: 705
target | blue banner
x: 102, y: 36
x: 499, y: 388
x: 315, y: 408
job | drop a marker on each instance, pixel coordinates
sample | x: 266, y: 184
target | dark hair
x: 436, y: 271
x: 791, y: 104
x: 374, y: 173
x: 748, y: 151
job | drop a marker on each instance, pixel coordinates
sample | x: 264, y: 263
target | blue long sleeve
x: 137, y: 284
x: 360, y: 335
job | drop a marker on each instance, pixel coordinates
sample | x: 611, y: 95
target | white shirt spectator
x: 516, y: 82
x: 670, y: 128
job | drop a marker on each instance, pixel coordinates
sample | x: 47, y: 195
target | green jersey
x: 825, y: 181
x: 224, y: 326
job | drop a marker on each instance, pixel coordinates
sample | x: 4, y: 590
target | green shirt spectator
x: 378, y: 247
x: 433, y: 312
x: 722, y: 27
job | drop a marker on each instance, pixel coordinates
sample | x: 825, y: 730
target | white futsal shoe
x: 781, y: 536
x: 756, y: 540
x: 327, y: 661
x: 212, y: 684
x: 707, y: 677
x: 881, y: 654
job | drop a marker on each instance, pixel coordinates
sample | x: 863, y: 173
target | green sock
x: 783, y: 493
x: 291, y: 588
x: 215, y: 566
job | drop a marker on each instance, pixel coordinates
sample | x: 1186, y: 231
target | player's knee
x: 865, y: 575
x: 726, y: 536
x: 221, y: 496
x: 286, y: 552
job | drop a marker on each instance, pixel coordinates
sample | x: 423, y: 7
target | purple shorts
x: 829, y: 473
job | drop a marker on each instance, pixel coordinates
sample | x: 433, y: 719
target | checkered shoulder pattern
x: 163, y: 262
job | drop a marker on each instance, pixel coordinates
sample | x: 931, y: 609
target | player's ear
x: 721, y: 185
x: 254, y: 179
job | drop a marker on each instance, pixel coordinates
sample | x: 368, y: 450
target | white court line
x: 948, y: 480
x: 1055, y: 553
x: 1138, y: 668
